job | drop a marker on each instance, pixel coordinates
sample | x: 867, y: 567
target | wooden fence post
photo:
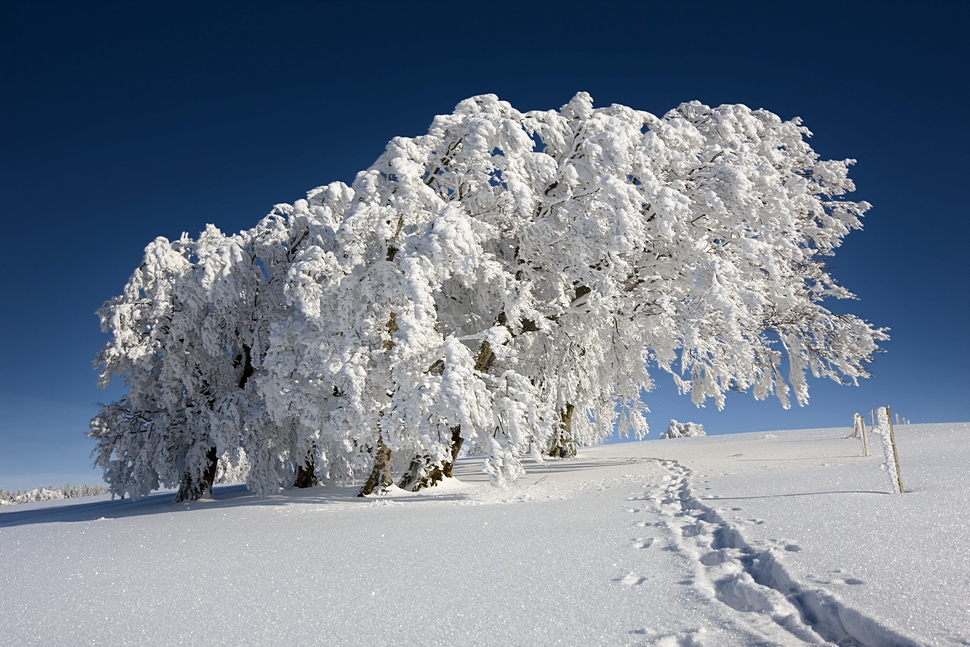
x: 892, y: 441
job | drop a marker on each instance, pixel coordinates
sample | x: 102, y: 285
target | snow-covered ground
x: 783, y: 538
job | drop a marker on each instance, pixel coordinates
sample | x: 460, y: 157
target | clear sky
x: 123, y: 121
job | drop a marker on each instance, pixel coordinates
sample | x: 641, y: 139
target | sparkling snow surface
x: 783, y: 538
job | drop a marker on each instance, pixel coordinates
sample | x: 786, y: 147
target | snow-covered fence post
x: 892, y: 442
x: 885, y: 430
x: 859, y: 429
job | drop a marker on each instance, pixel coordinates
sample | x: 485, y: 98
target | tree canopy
x: 509, y: 280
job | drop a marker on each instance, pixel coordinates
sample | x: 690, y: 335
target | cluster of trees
x: 505, y: 282
x: 66, y: 491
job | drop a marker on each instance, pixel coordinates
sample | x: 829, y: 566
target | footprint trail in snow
x: 767, y: 603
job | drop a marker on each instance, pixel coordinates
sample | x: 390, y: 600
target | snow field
x: 787, y: 538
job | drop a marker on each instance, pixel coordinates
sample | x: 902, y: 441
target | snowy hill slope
x: 785, y: 538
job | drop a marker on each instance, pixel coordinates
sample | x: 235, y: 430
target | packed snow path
x: 754, y: 582
x: 732, y: 540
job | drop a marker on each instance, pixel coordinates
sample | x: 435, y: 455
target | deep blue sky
x: 126, y: 121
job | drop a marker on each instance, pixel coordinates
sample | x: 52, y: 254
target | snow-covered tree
x: 189, y: 334
x: 506, y: 280
x: 146, y: 439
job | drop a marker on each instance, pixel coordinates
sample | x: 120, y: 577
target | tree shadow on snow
x: 468, y: 472
x: 163, y: 503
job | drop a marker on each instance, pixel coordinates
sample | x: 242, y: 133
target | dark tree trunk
x: 563, y: 445
x: 306, y: 472
x: 192, y: 489
x: 380, y: 476
x: 417, y: 473
x: 424, y: 473
x: 456, y: 442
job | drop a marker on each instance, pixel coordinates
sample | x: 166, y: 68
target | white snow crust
x: 783, y: 538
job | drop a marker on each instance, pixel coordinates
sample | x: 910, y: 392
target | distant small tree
x: 683, y: 430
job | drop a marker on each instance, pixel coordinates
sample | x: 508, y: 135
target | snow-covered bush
x: 507, y: 281
x: 683, y: 430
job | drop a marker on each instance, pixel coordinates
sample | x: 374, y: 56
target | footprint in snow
x: 632, y: 580
x: 793, y: 548
x: 642, y: 542
x: 691, y: 638
x: 715, y: 557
